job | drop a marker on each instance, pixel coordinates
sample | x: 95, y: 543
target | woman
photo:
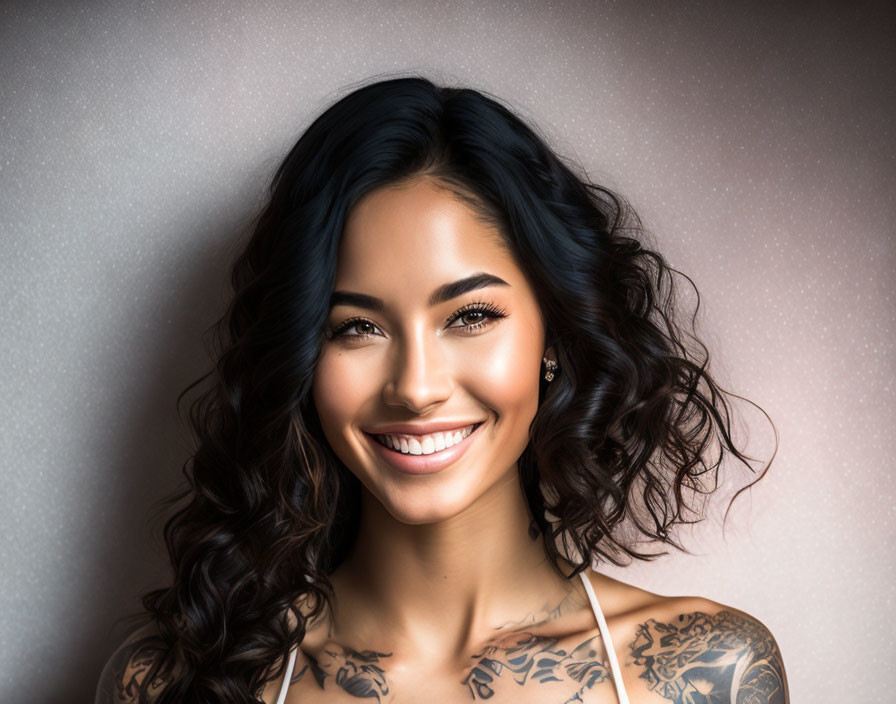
x: 449, y: 378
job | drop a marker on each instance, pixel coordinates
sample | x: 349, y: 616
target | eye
x: 355, y: 323
x: 477, y: 315
x: 480, y: 314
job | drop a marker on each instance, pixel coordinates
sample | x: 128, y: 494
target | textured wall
x: 757, y: 144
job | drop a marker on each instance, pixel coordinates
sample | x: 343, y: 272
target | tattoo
x: 296, y: 676
x: 520, y: 653
x: 546, y: 615
x: 719, y: 659
x: 126, y: 669
x: 357, y: 672
x: 537, y: 658
x: 526, y: 656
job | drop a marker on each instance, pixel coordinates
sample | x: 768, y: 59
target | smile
x: 424, y: 454
x: 425, y: 444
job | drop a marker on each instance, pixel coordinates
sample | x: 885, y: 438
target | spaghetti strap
x: 287, y: 676
x: 608, y: 644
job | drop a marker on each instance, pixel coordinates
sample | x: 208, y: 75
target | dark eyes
x: 479, y: 313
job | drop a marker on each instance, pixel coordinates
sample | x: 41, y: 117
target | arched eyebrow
x: 443, y: 293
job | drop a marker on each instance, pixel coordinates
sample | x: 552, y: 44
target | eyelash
x: 489, y: 310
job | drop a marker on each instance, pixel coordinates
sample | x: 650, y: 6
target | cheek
x: 338, y: 389
x: 506, y: 374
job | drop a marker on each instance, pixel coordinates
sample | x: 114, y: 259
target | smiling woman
x: 463, y: 358
x: 449, y: 374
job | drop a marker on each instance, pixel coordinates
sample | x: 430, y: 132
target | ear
x: 549, y: 353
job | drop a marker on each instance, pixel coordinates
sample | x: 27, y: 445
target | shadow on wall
x: 127, y: 556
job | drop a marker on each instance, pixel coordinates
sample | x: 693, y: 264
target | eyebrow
x: 443, y: 293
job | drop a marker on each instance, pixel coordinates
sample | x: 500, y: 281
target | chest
x: 517, y: 669
x: 416, y: 689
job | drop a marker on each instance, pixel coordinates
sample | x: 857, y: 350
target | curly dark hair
x: 632, y: 426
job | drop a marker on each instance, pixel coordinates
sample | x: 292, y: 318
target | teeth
x: 426, y: 444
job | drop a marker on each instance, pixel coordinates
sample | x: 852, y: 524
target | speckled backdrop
x: 756, y: 143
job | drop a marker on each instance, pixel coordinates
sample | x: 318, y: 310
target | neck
x: 445, y: 587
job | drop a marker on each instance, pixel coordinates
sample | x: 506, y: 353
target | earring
x: 551, y: 367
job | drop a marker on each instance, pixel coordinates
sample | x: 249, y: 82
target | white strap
x: 608, y: 644
x: 287, y: 676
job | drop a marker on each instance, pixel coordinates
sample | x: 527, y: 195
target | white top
x: 601, y: 623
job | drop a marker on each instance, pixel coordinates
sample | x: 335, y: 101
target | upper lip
x: 420, y: 428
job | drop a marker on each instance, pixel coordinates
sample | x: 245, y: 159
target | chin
x: 424, y: 508
x: 422, y: 515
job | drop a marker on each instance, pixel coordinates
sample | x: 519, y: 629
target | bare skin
x: 446, y: 597
x: 685, y: 650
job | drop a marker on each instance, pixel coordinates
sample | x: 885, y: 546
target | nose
x: 420, y: 376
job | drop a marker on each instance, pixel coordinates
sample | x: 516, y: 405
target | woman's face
x: 408, y: 351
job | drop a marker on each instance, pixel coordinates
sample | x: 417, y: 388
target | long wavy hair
x: 630, y: 429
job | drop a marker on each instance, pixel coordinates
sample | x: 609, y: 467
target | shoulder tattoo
x: 724, y: 658
x: 124, y: 672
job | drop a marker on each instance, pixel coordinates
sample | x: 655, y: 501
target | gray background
x: 756, y: 142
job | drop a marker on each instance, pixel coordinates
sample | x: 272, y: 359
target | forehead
x: 415, y: 237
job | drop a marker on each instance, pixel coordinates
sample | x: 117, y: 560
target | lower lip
x: 424, y: 464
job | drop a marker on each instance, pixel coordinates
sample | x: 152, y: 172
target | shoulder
x: 123, y: 674
x: 689, y: 648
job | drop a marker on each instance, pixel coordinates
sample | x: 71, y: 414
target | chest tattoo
x: 528, y: 657
x: 518, y: 657
x: 358, y: 672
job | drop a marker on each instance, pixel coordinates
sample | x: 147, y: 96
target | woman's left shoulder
x: 690, y: 648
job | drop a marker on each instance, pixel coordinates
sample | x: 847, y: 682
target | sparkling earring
x: 551, y: 367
